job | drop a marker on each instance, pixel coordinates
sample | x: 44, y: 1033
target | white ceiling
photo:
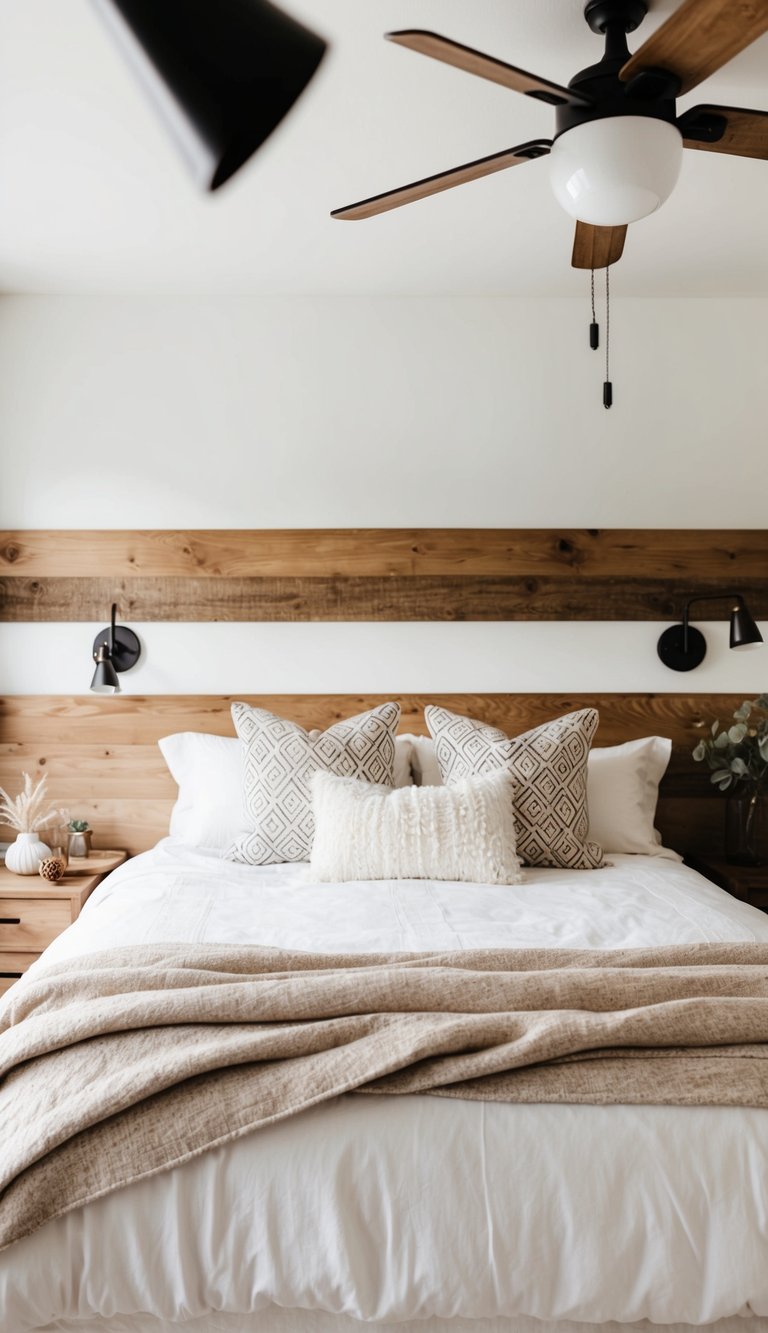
x: 93, y: 198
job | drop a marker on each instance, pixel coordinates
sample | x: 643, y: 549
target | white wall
x: 301, y: 412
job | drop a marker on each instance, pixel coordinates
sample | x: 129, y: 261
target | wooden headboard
x: 103, y: 762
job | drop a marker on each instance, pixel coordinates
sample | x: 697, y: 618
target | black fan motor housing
x: 651, y: 93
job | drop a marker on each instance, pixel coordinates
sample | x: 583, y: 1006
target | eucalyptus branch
x: 739, y: 752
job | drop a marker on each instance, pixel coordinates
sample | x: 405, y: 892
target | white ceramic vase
x: 25, y: 854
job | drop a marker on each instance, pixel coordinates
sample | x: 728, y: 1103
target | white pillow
x: 403, y: 773
x: 622, y: 792
x: 426, y: 770
x: 368, y: 831
x: 209, y: 772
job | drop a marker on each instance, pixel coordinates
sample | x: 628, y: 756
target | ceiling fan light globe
x: 615, y: 170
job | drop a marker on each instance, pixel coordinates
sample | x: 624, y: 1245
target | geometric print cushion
x: 549, y: 771
x: 279, y: 760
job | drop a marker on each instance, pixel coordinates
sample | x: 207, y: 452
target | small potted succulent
x: 737, y: 754
x: 26, y: 814
x: 80, y: 834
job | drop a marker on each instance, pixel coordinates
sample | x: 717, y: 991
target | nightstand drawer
x: 29, y: 924
x: 11, y: 967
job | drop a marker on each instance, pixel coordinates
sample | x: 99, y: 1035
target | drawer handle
x: 10, y: 920
x: 13, y: 975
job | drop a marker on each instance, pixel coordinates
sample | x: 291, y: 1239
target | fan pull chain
x: 594, y: 328
x: 607, y: 386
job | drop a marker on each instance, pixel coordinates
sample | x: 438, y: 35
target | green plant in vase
x: 79, y: 837
x: 737, y: 755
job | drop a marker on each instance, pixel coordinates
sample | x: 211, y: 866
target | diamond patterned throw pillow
x: 549, y: 768
x: 279, y: 760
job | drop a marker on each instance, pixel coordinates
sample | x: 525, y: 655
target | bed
x: 406, y: 1209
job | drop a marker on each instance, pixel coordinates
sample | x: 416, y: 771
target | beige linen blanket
x: 128, y: 1062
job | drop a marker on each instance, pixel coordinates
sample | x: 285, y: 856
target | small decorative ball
x: 52, y: 869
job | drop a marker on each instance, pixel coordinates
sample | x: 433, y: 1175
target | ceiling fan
x: 617, y: 151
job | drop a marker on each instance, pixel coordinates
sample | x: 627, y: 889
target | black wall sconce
x: 115, y: 648
x: 683, y: 647
x: 221, y: 73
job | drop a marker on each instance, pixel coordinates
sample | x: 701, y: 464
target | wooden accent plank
x: 347, y: 599
x: 385, y: 552
x: 138, y: 771
x: 92, y: 773
x: 91, y: 719
x: 127, y: 822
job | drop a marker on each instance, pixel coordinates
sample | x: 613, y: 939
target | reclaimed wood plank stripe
x: 384, y: 552
x: 353, y: 598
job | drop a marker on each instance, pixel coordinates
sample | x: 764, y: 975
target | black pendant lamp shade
x: 223, y: 73
x: 115, y: 649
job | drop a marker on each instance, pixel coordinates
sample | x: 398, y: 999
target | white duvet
x: 398, y: 1209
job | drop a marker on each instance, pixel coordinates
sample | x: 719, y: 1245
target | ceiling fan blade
x: 444, y: 180
x: 486, y: 67
x: 726, y: 129
x: 698, y: 38
x: 597, y: 247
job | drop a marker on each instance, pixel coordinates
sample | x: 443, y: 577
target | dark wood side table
x: 749, y: 883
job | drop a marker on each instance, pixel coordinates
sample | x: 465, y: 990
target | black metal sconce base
x: 127, y: 649
x: 671, y: 651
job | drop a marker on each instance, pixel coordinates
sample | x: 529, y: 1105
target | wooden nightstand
x: 33, y: 912
x: 749, y: 883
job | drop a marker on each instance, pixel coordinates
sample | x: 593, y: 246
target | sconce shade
x: 222, y: 73
x: 744, y: 631
x: 105, y: 679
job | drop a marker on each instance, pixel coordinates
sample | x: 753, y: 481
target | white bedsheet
x: 178, y: 893
x: 398, y: 1209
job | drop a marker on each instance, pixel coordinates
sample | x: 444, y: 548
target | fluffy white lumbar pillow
x: 368, y: 831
